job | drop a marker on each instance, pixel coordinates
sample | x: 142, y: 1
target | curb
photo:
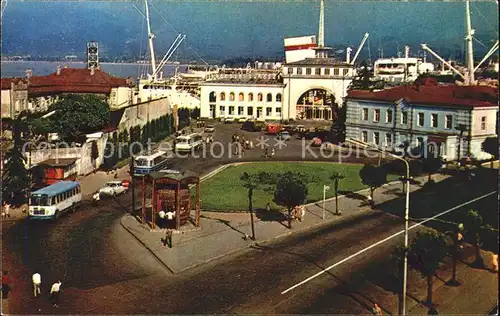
x: 145, y: 246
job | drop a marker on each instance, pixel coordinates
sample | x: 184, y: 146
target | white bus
x: 189, y: 142
x: 50, y: 202
x: 145, y: 164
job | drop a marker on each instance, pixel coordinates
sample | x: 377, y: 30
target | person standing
x: 377, y: 310
x: 5, y: 285
x: 37, y: 281
x: 168, y: 238
x: 54, y: 293
x: 96, y: 197
x: 162, y: 220
x: 370, y: 201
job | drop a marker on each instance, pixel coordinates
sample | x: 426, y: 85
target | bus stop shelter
x: 169, y: 190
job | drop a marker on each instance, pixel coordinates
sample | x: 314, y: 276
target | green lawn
x: 224, y: 191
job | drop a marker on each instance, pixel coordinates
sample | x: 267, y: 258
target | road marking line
x: 384, y: 240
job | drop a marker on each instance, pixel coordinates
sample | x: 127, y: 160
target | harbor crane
x: 365, y: 37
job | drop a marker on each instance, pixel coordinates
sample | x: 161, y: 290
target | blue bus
x: 50, y: 202
x: 145, y: 164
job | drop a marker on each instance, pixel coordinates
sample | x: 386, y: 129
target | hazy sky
x: 238, y: 29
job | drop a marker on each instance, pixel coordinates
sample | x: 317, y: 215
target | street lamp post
x: 325, y: 188
x: 402, y: 306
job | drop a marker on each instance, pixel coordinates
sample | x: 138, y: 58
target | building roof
x: 56, y: 188
x: 72, y: 80
x: 320, y: 62
x: 5, y: 82
x: 61, y: 162
x: 176, y: 176
x: 429, y: 93
x: 244, y: 81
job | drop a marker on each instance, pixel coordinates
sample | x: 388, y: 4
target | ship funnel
x: 348, y: 55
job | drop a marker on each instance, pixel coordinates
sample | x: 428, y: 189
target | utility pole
x: 132, y: 183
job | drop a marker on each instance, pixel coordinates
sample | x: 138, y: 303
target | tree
x: 291, y: 191
x: 336, y: 177
x: 195, y: 113
x: 473, y: 226
x: 364, y: 80
x: 15, y: 179
x: 431, y: 165
x: 453, y: 244
x: 77, y: 115
x: 373, y: 177
x: 251, y: 182
x: 426, y: 254
x: 492, y: 147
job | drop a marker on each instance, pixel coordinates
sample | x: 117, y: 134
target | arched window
x: 269, y: 97
x: 259, y: 97
x: 278, y: 97
x: 231, y: 96
x: 250, y: 97
x: 222, y: 96
x: 241, y: 96
x: 212, y: 97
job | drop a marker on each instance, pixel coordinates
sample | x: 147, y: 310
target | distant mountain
x: 224, y: 30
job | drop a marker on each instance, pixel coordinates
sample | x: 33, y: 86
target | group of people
x: 165, y: 218
x: 269, y: 153
x: 5, y: 210
x: 243, y: 141
x: 37, y: 284
x: 209, y: 139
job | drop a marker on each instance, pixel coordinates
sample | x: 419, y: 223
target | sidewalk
x: 222, y: 234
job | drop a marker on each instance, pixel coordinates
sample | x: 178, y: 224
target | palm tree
x: 250, y: 181
x: 336, y: 177
x: 473, y: 226
x: 426, y: 254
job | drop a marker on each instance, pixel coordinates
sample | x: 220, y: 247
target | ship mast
x: 470, y: 53
x: 151, y: 47
x: 321, y: 31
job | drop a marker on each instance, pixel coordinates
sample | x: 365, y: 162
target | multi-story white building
x: 256, y: 95
x: 426, y: 117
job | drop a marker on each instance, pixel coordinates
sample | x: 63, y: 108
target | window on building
x: 388, y: 116
x: 269, y: 97
x: 231, y: 110
x: 364, y: 136
x: 278, y: 111
x: 335, y: 71
x: 250, y: 97
x: 269, y: 111
x: 420, y: 119
x: 241, y: 110
x: 308, y: 71
x: 434, y: 120
x: 222, y: 110
x: 212, y: 97
x: 278, y: 97
x: 241, y: 97
x: 327, y: 71
x: 448, y: 121
x: 250, y: 111
x: 259, y: 97
x: 404, y: 117
x: 317, y: 71
x: 376, y: 138
x: 299, y: 71
x: 231, y: 96
x: 483, y: 123
x: 345, y: 72
x: 222, y: 96
x: 376, y: 115
x: 290, y: 71
x: 388, y: 139
x: 365, y: 115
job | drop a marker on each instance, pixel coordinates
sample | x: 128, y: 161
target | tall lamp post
x: 402, y: 305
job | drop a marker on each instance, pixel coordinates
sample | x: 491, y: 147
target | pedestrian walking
x: 272, y: 152
x: 370, y: 201
x: 54, y: 293
x: 266, y: 151
x: 268, y: 207
x: 432, y: 311
x: 95, y: 198
x: 168, y: 238
x: 376, y: 310
x: 251, y: 144
x: 5, y: 284
x: 302, y: 213
x: 6, y: 210
x: 37, y: 281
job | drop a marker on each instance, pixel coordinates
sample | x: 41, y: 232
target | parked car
x: 209, y: 129
x: 284, y: 135
x: 229, y: 120
x: 242, y: 120
x: 113, y: 188
x: 252, y: 126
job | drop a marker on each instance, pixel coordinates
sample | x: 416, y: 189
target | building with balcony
x: 449, y: 121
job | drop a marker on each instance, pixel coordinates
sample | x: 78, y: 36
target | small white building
x: 427, y: 117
